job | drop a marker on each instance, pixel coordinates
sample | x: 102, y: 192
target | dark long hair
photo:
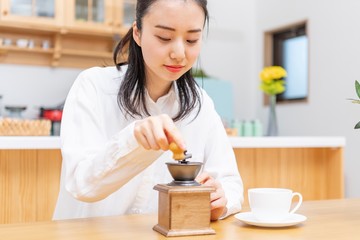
x: 131, y: 95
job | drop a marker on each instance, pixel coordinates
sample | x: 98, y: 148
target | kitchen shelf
x: 86, y: 53
x: 6, y: 49
x: 88, y: 31
x: 79, y: 44
x: 67, y: 48
x: 26, y: 28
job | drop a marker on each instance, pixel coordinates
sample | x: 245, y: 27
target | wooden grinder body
x: 184, y: 210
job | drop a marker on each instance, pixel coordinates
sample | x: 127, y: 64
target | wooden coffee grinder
x: 184, y: 205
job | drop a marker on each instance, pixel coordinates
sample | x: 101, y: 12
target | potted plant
x: 272, y: 83
x: 357, y: 89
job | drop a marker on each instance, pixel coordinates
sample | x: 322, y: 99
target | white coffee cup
x: 272, y: 204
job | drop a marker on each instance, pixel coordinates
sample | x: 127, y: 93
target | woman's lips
x: 174, y: 68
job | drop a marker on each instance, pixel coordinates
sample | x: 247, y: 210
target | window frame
x: 273, y: 54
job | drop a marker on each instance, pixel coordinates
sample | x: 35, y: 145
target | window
x: 289, y: 48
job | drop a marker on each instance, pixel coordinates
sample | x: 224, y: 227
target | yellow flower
x: 272, y: 80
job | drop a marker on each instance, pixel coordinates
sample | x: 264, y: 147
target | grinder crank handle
x: 178, y: 153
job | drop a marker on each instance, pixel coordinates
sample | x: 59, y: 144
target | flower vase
x: 272, y: 129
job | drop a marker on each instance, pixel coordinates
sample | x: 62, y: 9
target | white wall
x: 35, y: 87
x: 334, y: 37
x: 229, y: 50
x: 334, y: 41
x: 234, y: 51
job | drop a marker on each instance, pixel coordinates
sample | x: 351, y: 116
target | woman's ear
x: 136, y: 34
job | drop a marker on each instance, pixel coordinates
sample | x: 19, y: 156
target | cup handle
x: 298, y: 204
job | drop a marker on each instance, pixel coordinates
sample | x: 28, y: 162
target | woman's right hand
x: 157, y: 132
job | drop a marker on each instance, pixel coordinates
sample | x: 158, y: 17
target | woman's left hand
x: 218, y: 200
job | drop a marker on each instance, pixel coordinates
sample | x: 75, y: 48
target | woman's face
x: 170, y: 39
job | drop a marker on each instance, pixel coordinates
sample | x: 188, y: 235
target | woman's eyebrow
x: 173, y: 29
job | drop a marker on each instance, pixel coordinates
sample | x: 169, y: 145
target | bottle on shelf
x: 238, y: 125
x: 257, y: 128
x: 247, y: 128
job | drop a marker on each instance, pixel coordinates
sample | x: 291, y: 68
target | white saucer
x: 248, y: 217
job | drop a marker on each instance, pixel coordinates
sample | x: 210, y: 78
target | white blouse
x: 106, y: 172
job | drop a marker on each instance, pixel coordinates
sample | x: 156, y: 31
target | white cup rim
x: 269, y: 190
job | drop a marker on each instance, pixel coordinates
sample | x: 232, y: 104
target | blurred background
x: 233, y: 52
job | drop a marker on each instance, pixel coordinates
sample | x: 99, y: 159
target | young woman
x: 118, y: 122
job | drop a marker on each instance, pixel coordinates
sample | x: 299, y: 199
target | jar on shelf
x: 15, y: 111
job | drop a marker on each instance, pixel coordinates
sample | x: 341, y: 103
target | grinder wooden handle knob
x: 178, y: 153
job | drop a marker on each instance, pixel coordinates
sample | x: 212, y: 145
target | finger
x: 219, y: 203
x: 206, y: 180
x: 153, y: 131
x: 152, y: 142
x: 202, y: 177
x: 175, y: 136
x: 140, y: 137
x: 159, y: 135
x: 219, y: 193
x: 172, y: 132
x: 215, y: 196
x: 211, y: 182
x: 216, y: 213
x: 144, y: 135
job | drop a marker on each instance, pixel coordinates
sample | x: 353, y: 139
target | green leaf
x: 357, y: 126
x: 198, y: 73
x: 357, y: 88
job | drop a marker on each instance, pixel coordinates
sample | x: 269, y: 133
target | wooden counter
x: 326, y: 220
x: 316, y: 172
x: 30, y: 171
x: 29, y: 184
x: 53, y: 142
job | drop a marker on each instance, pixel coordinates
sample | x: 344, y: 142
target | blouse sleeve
x: 95, y: 166
x: 221, y: 162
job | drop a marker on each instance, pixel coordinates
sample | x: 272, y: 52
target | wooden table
x: 327, y: 219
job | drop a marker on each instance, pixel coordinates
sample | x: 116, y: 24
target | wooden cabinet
x: 30, y: 178
x: 29, y: 184
x: 317, y: 173
x: 97, y: 15
x: 36, y: 12
x: 100, y: 15
x: 73, y: 33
